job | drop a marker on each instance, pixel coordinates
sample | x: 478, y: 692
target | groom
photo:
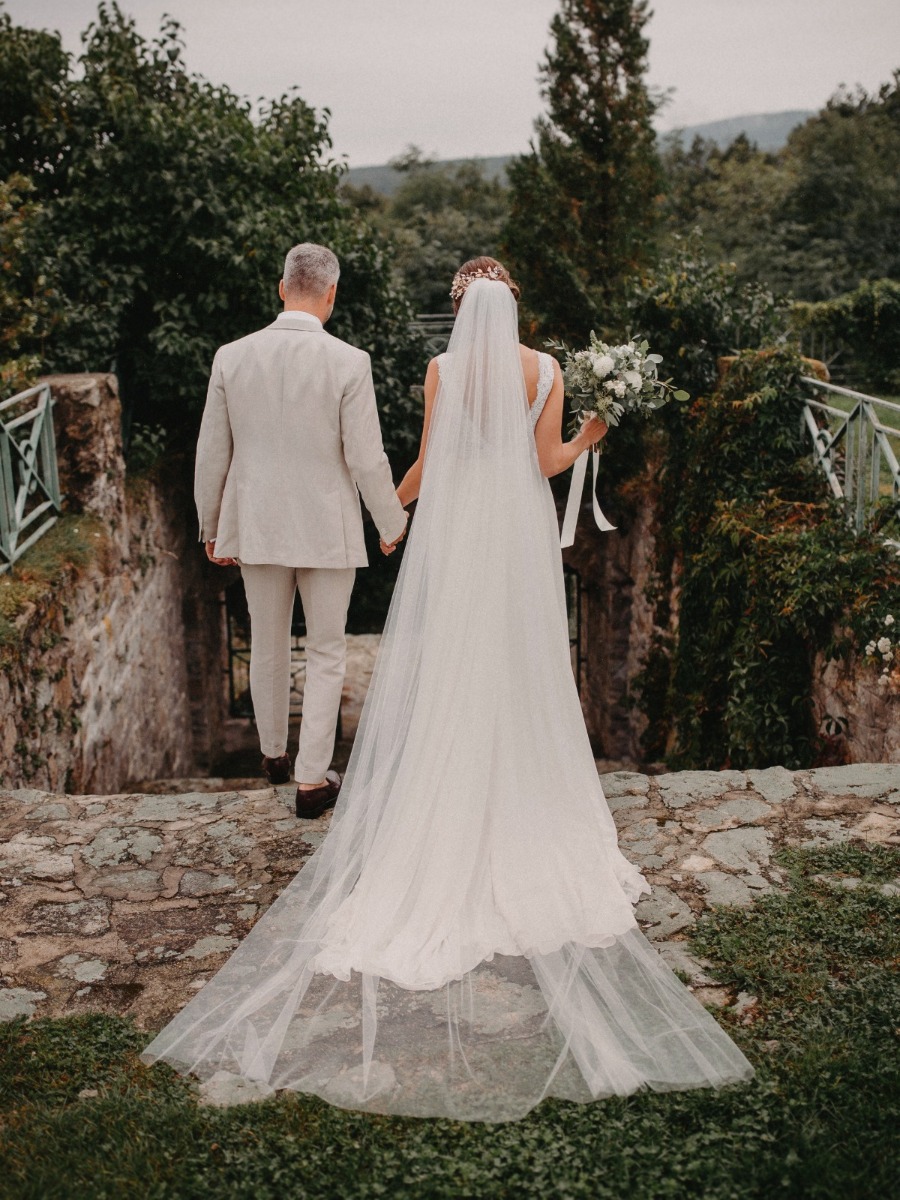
x: 289, y: 433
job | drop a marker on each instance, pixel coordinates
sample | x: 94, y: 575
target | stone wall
x: 617, y: 619
x: 849, y: 690
x: 117, y: 671
x: 616, y: 570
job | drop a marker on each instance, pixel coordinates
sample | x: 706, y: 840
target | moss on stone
x: 59, y: 556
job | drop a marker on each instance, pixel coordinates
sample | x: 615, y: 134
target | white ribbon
x: 573, y: 504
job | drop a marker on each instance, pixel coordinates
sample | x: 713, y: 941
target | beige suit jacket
x: 289, y: 433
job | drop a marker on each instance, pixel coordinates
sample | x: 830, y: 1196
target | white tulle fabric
x: 463, y: 942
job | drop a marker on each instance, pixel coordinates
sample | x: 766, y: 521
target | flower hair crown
x: 462, y: 279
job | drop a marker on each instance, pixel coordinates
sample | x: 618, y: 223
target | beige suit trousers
x: 325, y: 595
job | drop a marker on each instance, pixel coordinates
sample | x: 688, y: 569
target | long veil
x: 463, y: 943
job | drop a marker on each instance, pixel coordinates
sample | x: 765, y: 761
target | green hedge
x: 865, y: 324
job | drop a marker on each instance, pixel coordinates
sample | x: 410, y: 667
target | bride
x: 463, y: 942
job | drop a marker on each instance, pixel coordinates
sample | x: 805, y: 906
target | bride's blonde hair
x: 482, y: 267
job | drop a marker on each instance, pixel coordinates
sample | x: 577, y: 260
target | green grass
x: 72, y: 542
x: 820, y: 1118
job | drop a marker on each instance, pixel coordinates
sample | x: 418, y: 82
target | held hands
x: 592, y: 431
x: 389, y: 547
x: 220, y: 562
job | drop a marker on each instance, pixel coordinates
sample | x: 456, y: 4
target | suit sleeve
x: 214, y: 451
x: 365, y: 456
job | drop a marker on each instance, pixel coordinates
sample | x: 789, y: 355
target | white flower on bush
x: 883, y: 645
x: 602, y: 364
x: 889, y: 620
x: 870, y: 649
x: 882, y: 680
x: 888, y: 656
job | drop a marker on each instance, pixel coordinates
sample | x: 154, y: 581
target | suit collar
x: 307, y: 324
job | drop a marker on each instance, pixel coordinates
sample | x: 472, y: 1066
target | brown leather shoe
x: 314, y: 801
x: 277, y: 770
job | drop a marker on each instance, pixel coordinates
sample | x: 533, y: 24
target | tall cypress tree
x: 584, y: 200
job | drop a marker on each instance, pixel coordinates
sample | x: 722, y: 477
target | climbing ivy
x: 768, y: 571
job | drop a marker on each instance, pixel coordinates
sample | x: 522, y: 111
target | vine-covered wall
x: 758, y: 582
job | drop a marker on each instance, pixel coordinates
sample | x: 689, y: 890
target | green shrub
x: 23, y: 303
x: 865, y: 326
x: 769, y: 569
x: 693, y: 311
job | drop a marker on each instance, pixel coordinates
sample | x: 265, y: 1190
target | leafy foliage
x: 830, y: 942
x: 23, y: 301
x: 694, y: 310
x: 147, y: 446
x: 439, y: 216
x: 865, y: 325
x: 817, y: 1121
x: 166, y: 209
x: 812, y: 221
x: 767, y: 569
x: 583, y: 202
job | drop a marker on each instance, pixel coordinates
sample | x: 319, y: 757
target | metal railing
x: 29, y: 484
x: 835, y: 356
x: 435, y: 329
x: 855, y: 449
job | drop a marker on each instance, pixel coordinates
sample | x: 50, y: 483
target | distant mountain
x: 768, y: 130
x: 386, y: 180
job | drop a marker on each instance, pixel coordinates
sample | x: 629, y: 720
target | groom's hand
x: 220, y: 562
x: 390, y: 547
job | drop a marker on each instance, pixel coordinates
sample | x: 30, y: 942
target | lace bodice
x: 544, y: 385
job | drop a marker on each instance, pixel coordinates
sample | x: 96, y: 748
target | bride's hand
x: 593, y: 430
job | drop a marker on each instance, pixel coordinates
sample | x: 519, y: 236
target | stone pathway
x: 129, y: 903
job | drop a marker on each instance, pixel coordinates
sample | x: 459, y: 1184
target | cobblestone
x: 129, y: 903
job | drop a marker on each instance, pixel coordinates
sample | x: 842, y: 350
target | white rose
x: 889, y: 620
x: 884, y: 644
x: 634, y: 380
x: 602, y: 364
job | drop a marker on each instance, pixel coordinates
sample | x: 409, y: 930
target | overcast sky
x: 459, y: 77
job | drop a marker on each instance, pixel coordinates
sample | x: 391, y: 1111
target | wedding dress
x: 463, y: 943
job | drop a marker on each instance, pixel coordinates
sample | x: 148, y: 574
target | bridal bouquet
x: 609, y: 381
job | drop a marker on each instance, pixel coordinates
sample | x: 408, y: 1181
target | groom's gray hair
x: 310, y: 270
